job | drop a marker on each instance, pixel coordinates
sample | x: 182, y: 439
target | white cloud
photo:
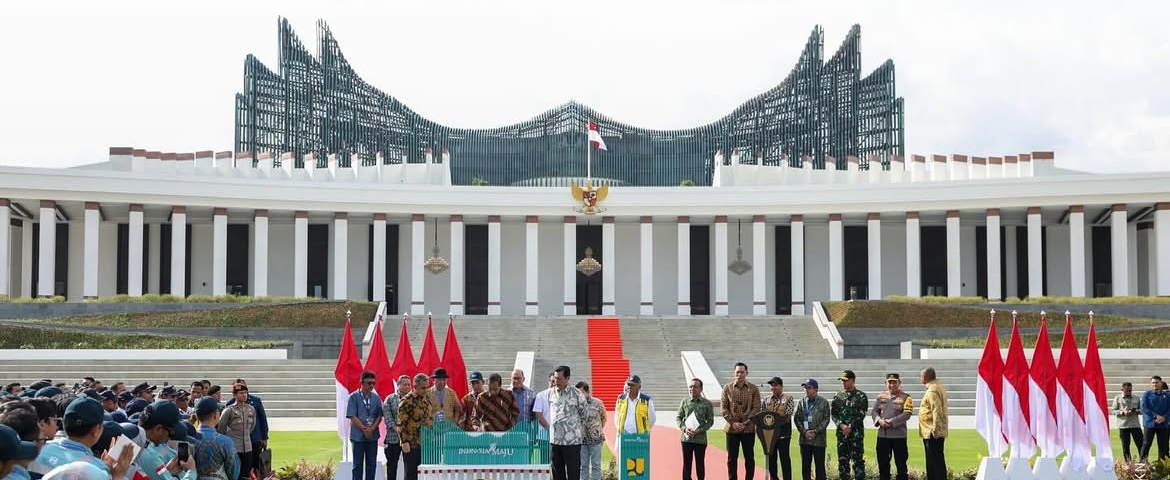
x: 984, y: 78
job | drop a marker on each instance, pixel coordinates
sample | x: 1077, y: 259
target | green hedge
x: 1033, y: 300
x: 302, y: 315
x: 1138, y: 338
x: 26, y: 338
x: 892, y: 314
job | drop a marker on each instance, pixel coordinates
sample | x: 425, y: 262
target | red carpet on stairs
x: 610, y: 366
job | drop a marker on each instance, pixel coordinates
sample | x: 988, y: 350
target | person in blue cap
x: 13, y: 450
x: 83, y: 429
x: 21, y: 417
x: 110, y: 431
x: 110, y: 404
x: 215, y: 454
x: 143, y: 394
x: 162, y: 423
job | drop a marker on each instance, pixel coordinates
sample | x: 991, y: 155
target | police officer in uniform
x: 890, y: 413
x: 848, y: 410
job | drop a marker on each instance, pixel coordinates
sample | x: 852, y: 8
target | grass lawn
x: 17, y: 338
x: 298, y: 315
x: 1138, y: 338
x: 964, y: 448
x: 885, y: 314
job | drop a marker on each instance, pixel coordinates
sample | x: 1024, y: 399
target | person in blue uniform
x: 161, y: 422
x: 13, y: 450
x: 83, y: 428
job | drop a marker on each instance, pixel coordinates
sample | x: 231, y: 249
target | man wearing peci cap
x: 162, y: 423
x: 215, y: 454
x: 782, y: 405
x: 470, y: 417
x: 812, y: 420
x: 890, y: 413
x: 633, y: 411
x: 83, y: 428
x: 444, y: 399
x: 13, y: 450
x: 848, y: 408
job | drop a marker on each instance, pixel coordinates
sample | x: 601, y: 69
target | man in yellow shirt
x: 932, y: 424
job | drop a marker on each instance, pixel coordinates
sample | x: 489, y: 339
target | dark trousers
x: 1131, y: 435
x: 412, y: 460
x: 245, y: 465
x: 897, y: 448
x: 566, y: 462
x: 256, y: 459
x: 936, y: 461
x: 810, y: 457
x: 781, y: 450
x: 1163, y: 438
x: 365, y: 459
x: 748, y: 443
x: 696, y: 452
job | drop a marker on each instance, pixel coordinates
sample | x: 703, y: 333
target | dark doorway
x: 856, y: 247
x: 589, y: 287
x: 237, y: 259
x: 318, y: 262
x: 60, y: 261
x: 164, y: 260
x: 783, y: 254
x: 391, y: 268
x: 1102, y: 251
x: 123, y: 276
x: 933, y: 241
x: 700, y: 270
x: 981, y: 263
x: 475, y: 277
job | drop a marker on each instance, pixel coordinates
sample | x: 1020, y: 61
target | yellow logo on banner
x: 635, y: 467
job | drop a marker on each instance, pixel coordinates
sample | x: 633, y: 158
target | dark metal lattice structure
x: 823, y: 110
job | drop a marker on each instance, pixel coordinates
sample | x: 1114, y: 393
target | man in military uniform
x: 890, y: 413
x: 848, y: 410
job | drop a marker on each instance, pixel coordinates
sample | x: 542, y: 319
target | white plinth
x: 1067, y: 472
x: 1101, y: 469
x: 1019, y: 469
x: 1045, y: 468
x: 991, y: 468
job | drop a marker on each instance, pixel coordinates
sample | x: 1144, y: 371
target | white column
x: 340, y: 288
x: 379, y: 259
x: 1035, y: 253
x: 494, y: 265
x: 873, y: 235
x: 26, y: 255
x: 684, y: 265
x: 1011, y: 288
x: 260, y: 254
x: 91, y: 253
x: 836, y: 258
x: 5, y: 248
x: 913, y: 255
x: 609, y: 270
x: 721, y: 265
x: 954, y: 255
x: 1119, y: 241
x: 994, y: 252
x: 531, y: 265
x: 219, y: 252
x: 179, y: 251
x: 759, y: 267
x: 301, y: 254
x: 47, y: 249
x: 797, y: 240
x: 459, y: 265
x: 570, y: 267
x: 134, y: 249
x: 417, y: 257
x: 1161, y: 249
x: 647, y: 270
x: 1076, y: 248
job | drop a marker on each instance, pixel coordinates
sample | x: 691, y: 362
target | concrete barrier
x: 103, y: 354
x: 828, y: 330
x: 526, y: 362
x: 695, y: 366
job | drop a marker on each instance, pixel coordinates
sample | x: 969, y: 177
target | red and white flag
x: 403, y: 363
x: 429, y: 359
x: 1016, y: 426
x: 379, y: 363
x: 1096, y: 406
x: 989, y: 395
x: 595, y: 137
x: 453, y: 362
x: 347, y: 375
x: 1042, y: 395
x: 1070, y: 402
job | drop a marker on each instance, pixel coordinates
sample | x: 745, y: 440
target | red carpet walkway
x: 609, y: 365
x: 666, y: 454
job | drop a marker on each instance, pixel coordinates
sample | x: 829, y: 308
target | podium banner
x: 635, y: 452
x: 767, y: 424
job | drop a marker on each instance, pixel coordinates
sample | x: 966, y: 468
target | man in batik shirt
x: 594, y: 435
x: 567, y: 409
x: 414, y: 411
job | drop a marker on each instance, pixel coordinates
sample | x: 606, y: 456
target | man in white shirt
x: 541, y: 412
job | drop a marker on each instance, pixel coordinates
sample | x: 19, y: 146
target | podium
x: 634, y: 449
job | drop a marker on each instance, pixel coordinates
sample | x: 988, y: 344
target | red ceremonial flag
x: 595, y: 139
x: 347, y: 377
x: 1015, y: 397
x: 1070, y: 401
x: 988, y: 395
x: 453, y: 362
x: 1042, y: 395
x: 379, y: 363
x: 1096, y: 406
x: 429, y: 360
x: 403, y: 357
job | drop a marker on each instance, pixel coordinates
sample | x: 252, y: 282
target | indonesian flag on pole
x: 347, y: 375
x: 1042, y: 395
x: 1016, y: 425
x: 453, y: 362
x: 1070, y: 401
x: 1096, y: 407
x: 595, y: 137
x: 404, y: 363
x: 429, y: 359
x: 988, y: 395
x: 379, y: 363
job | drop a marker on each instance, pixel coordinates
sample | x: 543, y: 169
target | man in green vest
x: 634, y: 410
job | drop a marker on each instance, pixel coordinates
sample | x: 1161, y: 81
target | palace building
x: 337, y: 190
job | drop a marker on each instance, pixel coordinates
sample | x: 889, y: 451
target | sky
x: 1087, y: 80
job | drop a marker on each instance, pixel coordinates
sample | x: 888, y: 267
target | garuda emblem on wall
x: 590, y: 197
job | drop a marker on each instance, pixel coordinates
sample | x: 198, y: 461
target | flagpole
x: 588, y: 161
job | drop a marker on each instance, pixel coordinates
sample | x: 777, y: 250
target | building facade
x: 764, y: 240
